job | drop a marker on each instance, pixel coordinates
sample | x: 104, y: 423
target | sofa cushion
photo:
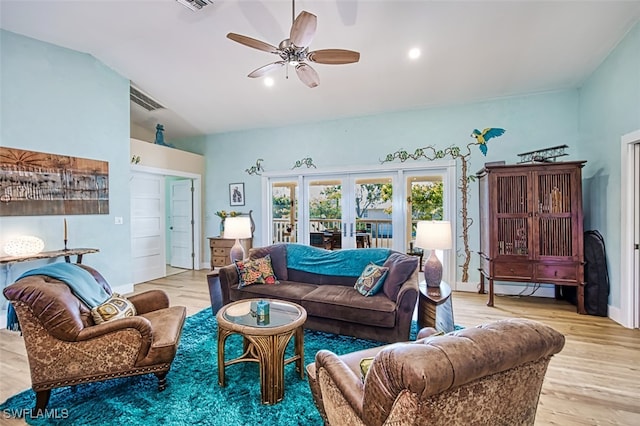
x: 257, y: 271
x: 401, y: 266
x: 371, y: 279
x: 346, y: 304
x: 286, y: 290
x: 319, y: 279
x: 278, y: 253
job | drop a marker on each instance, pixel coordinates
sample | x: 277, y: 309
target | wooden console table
x: 78, y: 252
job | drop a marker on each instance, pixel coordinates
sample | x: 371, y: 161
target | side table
x: 435, y: 308
x: 264, y: 342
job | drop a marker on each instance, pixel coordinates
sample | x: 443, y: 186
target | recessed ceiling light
x: 414, y: 53
x: 268, y: 81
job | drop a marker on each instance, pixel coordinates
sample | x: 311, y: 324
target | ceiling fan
x: 295, y: 50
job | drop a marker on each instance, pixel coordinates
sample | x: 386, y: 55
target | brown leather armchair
x: 491, y: 374
x: 65, y: 346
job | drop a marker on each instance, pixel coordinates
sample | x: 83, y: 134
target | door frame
x: 629, y: 310
x: 447, y: 168
x: 198, y: 242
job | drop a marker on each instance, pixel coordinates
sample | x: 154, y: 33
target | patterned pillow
x: 365, y: 365
x: 256, y: 271
x: 114, y: 308
x: 371, y: 279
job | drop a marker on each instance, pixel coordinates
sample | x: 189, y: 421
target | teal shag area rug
x: 193, y: 395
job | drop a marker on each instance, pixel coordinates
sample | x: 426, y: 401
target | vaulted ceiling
x: 471, y: 50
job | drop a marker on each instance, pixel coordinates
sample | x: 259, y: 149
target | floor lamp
x: 238, y: 227
x: 433, y: 235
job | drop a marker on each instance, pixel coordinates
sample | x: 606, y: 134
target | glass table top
x: 247, y: 313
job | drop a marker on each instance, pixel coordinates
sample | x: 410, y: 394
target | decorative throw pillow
x: 114, y: 308
x: 365, y: 364
x: 371, y: 279
x: 278, y: 253
x: 401, y: 266
x: 256, y: 271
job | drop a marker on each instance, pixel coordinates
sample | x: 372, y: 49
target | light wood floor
x: 595, y: 380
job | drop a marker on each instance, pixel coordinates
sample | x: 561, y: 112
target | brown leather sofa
x: 65, y: 346
x: 331, y: 302
x: 488, y: 375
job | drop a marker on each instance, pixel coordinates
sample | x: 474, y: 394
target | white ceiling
x: 471, y: 50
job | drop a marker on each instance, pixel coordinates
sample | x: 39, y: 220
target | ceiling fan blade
x: 303, y: 29
x: 266, y: 69
x: 307, y: 75
x: 333, y: 56
x: 252, y: 42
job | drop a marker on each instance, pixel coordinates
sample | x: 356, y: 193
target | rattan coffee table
x: 265, y: 342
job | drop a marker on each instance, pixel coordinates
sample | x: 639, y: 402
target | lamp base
x: 432, y: 270
x: 236, y: 252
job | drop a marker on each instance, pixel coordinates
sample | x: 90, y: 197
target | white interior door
x: 181, y: 224
x: 147, y: 227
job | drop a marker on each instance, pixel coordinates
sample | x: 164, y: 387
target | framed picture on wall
x: 236, y: 194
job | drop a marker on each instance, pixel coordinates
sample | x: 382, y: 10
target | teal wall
x: 609, y: 108
x: 59, y: 101
x: 65, y: 102
x: 534, y: 121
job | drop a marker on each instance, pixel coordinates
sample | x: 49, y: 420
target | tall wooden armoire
x: 531, y: 225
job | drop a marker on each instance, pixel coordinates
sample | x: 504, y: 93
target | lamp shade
x: 237, y: 227
x: 433, y: 234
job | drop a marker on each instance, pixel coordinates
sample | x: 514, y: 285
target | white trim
x: 197, y: 203
x: 627, y: 315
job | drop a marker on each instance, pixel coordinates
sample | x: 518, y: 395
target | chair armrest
x: 343, y: 377
x: 405, y: 306
x: 139, y: 323
x: 228, y: 278
x: 149, y: 301
x: 426, y: 332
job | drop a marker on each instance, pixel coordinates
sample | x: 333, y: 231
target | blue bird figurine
x: 485, y: 135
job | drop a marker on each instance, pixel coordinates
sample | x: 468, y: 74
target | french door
x: 376, y: 207
x: 348, y: 210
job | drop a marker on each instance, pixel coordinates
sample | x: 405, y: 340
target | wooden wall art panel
x: 36, y: 183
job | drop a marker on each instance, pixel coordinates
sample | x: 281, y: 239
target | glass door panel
x: 425, y: 202
x: 373, y: 196
x: 284, y: 211
x: 325, y: 213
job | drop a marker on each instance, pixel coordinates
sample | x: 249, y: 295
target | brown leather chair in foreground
x: 65, y: 346
x: 491, y: 374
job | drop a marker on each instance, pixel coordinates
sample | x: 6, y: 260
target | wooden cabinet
x: 221, y: 247
x: 531, y: 226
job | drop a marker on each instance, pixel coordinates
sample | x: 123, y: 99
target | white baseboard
x: 510, y: 289
x: 205, y: 265
x: 616, y: 315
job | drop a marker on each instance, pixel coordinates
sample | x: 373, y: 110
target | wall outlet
x: 119, y: 220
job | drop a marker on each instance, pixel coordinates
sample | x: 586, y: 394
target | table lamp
x: 433, y: 235
x: 237, y: 227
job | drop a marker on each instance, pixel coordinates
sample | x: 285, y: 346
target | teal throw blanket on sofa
x: 79, y: 280
x: 346, y: 263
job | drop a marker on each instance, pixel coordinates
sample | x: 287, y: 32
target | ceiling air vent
x: 195, y: 5
x: 143, y: 100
